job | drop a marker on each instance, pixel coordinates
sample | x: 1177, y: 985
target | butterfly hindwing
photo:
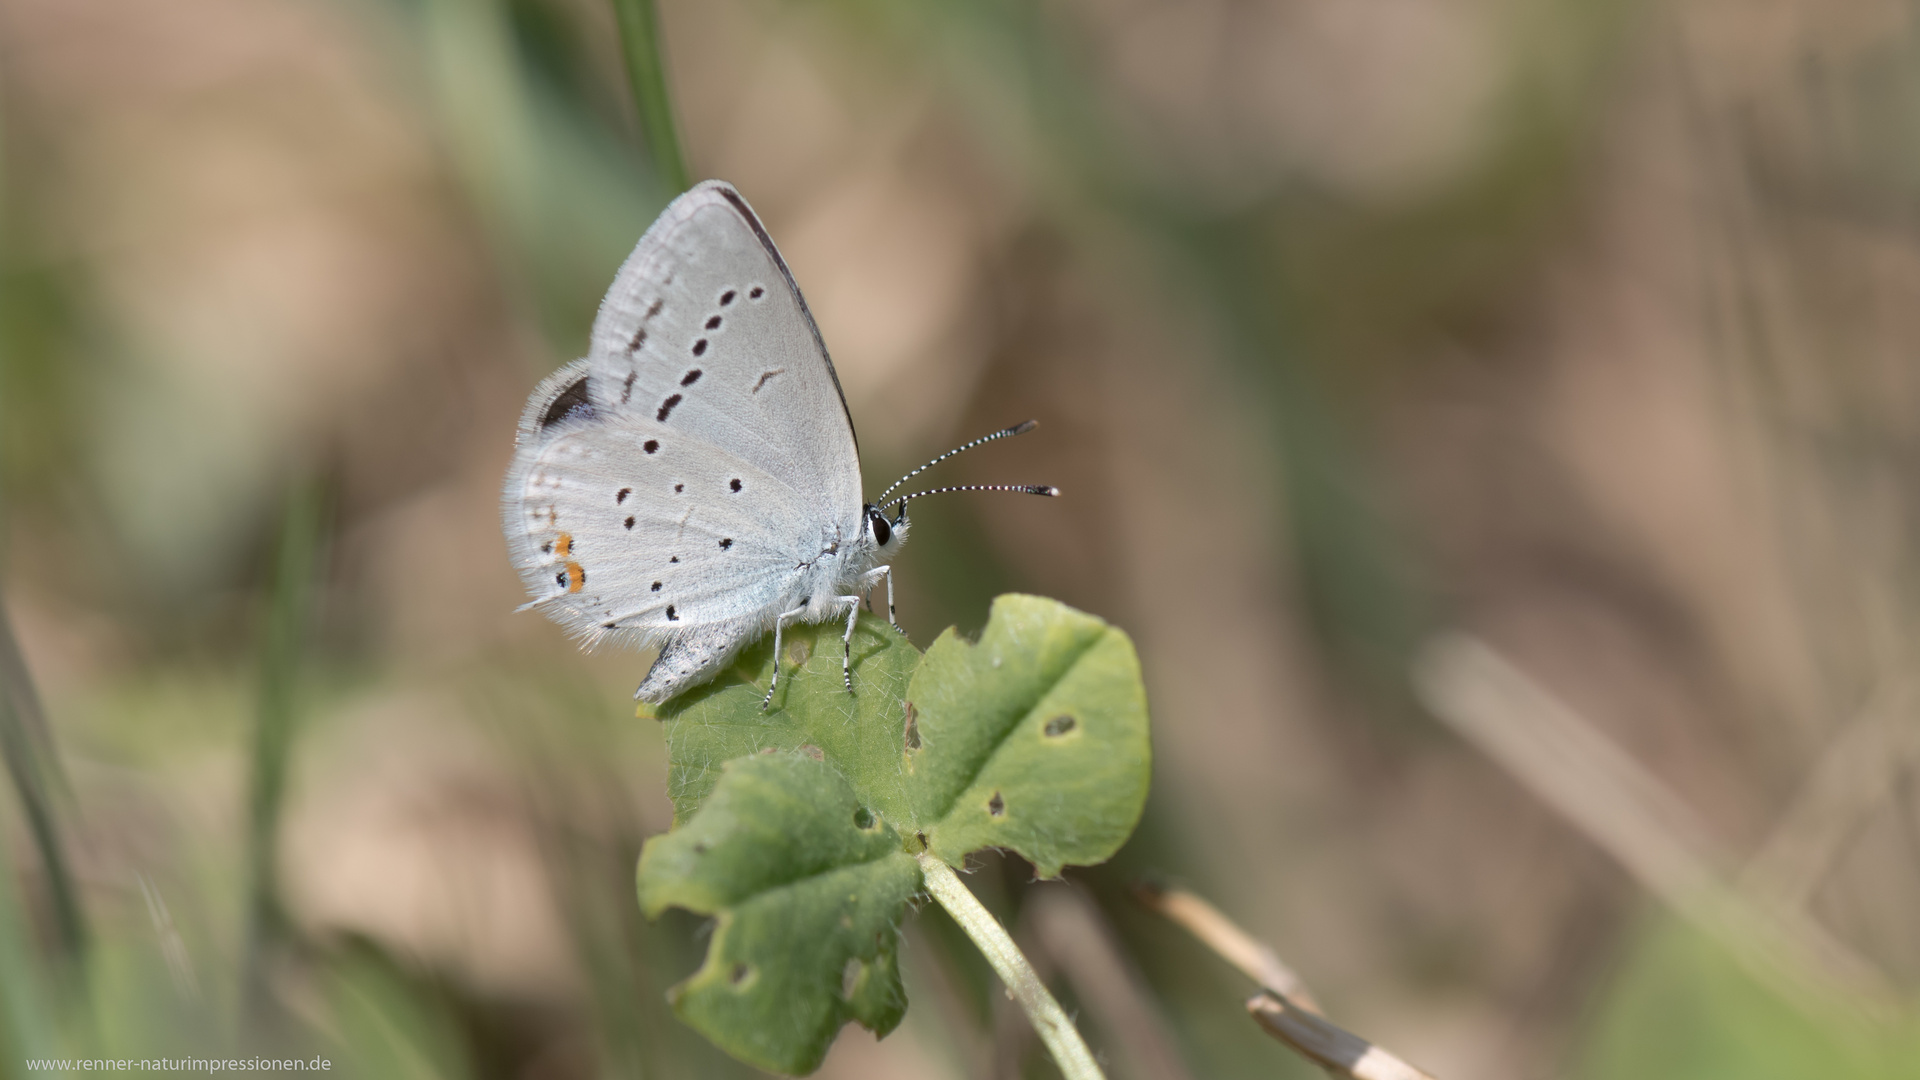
x: 615, y: 539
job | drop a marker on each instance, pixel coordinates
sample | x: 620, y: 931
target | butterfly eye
x: 877, y: 524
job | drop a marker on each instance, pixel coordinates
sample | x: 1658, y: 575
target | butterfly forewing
x: 705, y: 332
x: 695, y: 476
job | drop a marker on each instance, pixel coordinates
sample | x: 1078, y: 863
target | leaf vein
x: 1001, y: 740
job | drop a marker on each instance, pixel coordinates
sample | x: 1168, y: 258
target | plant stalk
x: 647, y: 77
x: 27, y: 745
x: 1023, y: 984
x: 289, y: 611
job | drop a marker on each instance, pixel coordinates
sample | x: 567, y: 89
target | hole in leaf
x: 863, y: 818
x: 913, y: 727
x: 1060, y: 725
x: 741, y: 973
x: 850, y: 977
x: 996, y: 806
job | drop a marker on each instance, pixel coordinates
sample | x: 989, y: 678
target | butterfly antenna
x: 1018, y: 489
x: 1004, y: 433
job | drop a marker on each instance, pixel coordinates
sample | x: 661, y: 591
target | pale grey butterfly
x: 694, y: 481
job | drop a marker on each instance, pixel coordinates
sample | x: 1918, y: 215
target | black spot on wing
x: 756, y: 293
x: 691, y: 377
x: 650, y: 445
x: 726, y: 543
x: 622, y: 496
x: 572, y: 401
x: 734, y: 484
x: 726, y: 298
x: 629, y: 522
x: 666, y: 409
x: 671, y: 617
x: 656, y: 586
x: 700, y: 347
x: 713, y: 323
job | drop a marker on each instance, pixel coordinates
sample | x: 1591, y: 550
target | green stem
x: 1023, y: 983
x: 289, y: 611
x: 28, y: 747
x: 647, y: 76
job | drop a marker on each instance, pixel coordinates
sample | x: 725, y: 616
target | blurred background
x: 1497, y: 424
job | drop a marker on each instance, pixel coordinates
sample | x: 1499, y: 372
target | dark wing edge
x: 739, y: 204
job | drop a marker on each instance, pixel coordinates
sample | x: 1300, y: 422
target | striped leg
x: 872, y: 578
x: 846, y: 642
x: 779, y: 624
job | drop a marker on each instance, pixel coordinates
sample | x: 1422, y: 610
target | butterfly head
x: 886, y: 536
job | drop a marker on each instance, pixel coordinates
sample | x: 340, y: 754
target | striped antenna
x: 1018, y: 489
x: 1004, y: 433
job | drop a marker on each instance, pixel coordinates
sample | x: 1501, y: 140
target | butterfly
x: 694, y: 481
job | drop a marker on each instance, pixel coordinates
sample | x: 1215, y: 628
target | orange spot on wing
x: 563, y: 544
x: 576, y: 577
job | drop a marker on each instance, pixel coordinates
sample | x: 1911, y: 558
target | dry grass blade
x: 1856, y: 775
x: 1565, y: 761
x: 1255, y: 958
x: 1286, y: 1017
x: 1325, y: 1043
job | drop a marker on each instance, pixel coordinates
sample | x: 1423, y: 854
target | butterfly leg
x: 779, y: 624
x: 871, y: 579
x: 846, y: 642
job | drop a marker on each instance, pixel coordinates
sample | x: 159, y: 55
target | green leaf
x: 1033, y: 739
x: 809, y: 889
x: 859, y: 733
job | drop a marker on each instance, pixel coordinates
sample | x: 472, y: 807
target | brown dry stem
x: 1283, y: 1007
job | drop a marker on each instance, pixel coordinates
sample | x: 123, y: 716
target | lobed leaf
x: 808, y: 889
x: 1034, y: 739
x: 858, y: 733
x: 796, y: 826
